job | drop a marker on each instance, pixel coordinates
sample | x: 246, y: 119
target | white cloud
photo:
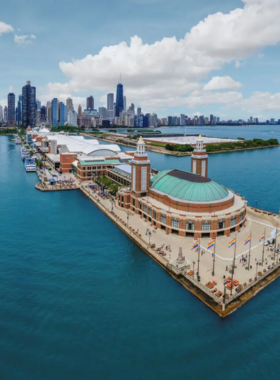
x: 222, y: 83
x: 24, y: 39
x: 169, y: 72
x: 5, y: 28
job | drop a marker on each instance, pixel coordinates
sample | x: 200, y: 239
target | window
x: 232, y: 222
x: 155, y: 215
x: 190, y: 226
x: 145, y: 209
x: 206, y: 226
x: 163, y: 219
x: 203, y: 168
x: 241, y: 216
x: 175, y: 223
x: 133, y: 202
x: 194, y: 166
x: 221, y: 224
x: 140, y: 206
x: 150, y: 211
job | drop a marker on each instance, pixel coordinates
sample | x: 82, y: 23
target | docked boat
x: 30, y: 165
x: 18, y: 140
x: 24, y: 153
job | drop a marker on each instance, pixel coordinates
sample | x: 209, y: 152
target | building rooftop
x: 187, y: 186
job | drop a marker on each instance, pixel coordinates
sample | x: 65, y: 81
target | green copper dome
x: 188, y: 186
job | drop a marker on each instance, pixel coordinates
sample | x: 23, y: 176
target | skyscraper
x: 28, y: 105
x: 49, y: 113
x: 1, y: 113
x: 110, y: 106
x: 62, y: 113
x: 11, y: 110
x: 124, y: 103
x: 80, y: 110
x: 119, y: 99
x: 90, y: 103
x: 19, y: 107
x: 138, y: 111
x: 54, y: 112
x: 69, y: 105
x: 6, y: 114
x: 38, y: 104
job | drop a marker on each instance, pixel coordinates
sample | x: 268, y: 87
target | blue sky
x: 168, y: 68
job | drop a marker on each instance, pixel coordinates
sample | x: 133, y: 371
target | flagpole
x: 198, y: 258
x: 233, y: 267
x: 214, y: 257
x: 263, y: 247
x: 250, y: 250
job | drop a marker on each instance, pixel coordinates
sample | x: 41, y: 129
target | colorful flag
x: 195, y: 245
x: 261, y: 238
x: 247, y: 240
x: 231, y: 243
x: 211, y: 244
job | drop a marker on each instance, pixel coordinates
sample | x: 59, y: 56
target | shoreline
x: 162, y: 150
x: 189, y: 283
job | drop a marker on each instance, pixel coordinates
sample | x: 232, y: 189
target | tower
x: 28, y: 105
x: 140, y: 171
x: 119, y: 99
x: 11, y: 110
x: 199, y: 160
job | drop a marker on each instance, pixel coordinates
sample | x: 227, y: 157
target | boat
x: 18, y: 140
x: 24, y: 153
x: 13, y: 139
x: 30, y: 165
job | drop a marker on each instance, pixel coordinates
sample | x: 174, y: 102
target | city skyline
x: 195, y: 62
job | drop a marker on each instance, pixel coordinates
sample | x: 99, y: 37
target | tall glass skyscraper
x: 62, y: 112
x: 119, y: 99
x: 110, y: 106
x: 54, y: 112
x: 28, y: 105
x: 90, y: 103
x: 11, y: 110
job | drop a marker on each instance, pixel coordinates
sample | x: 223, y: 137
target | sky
x: 196, y: 57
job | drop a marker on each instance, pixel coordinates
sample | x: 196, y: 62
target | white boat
x: 30, y: 165
x: 18, y: 140
x: 24, y: 153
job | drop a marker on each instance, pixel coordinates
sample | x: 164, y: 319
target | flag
x: 247, y: 240
x: 211, y: 244
x: 195, y: 245
x: 273, y: 233
x: 231, y: 243
x: 261, y: 238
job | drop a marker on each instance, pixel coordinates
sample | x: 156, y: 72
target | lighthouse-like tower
x: 140, y: 170
x: 199, y: 160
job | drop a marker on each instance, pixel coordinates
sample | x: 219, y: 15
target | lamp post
x: 193, y: 267
x: 214, y: 258
x: 127, y: 218
x: 256, y: 270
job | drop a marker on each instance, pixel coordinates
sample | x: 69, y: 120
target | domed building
x: 181, y: 202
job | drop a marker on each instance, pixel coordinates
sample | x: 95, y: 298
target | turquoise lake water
x: 79, y: 300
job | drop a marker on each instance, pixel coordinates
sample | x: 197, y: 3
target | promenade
x: 263, y: 260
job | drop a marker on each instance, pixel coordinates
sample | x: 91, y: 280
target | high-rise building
x: 110, y: 106
x: 11, y: 110
x: 62, y: 113
x: 6, y: 114
x: 43, y: 112
x: 72, y: 118
x: 103, y: 112
x: 124, y: 104
x: 80, y: 110
x: 1, y: 113
x: 182, y: 119
x: 38, y: 104
x: 119, y: 100
x: 49, y: 113
x: 138, y: 111
x: 69, y: 105
x: 90, y: 103
x: 54, y: 112
x: 28, y: 105
x: 19, y: 108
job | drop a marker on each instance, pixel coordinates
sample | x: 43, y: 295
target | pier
x: 255, y: 279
